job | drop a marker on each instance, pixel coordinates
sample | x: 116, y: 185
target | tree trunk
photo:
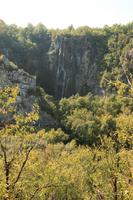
x: 115, y: 189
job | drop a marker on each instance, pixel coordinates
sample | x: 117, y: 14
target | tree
x: 16, y: 142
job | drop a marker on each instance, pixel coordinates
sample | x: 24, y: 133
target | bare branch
x: 7, y: 166
x: 22, y: 167
x: 128, y: 80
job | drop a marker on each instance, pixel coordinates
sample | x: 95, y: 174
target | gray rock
x: 73, y: 66
x: 11, y: 75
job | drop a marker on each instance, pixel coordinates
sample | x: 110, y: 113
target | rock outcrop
x: 73, y: 65
x: 64, y: 64
x: 70, y: 64
x: 11, y: 75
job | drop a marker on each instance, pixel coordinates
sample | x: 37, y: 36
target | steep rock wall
x: 65, y: 64
x: 74, y: 65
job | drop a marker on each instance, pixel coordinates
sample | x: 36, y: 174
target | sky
x: 63, y: 13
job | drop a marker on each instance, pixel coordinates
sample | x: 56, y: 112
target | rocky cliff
x: 70, y: 61
x: 64, y: 64
x: 74, y: 66
x: 11, y: 75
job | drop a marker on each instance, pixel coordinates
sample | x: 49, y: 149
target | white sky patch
x: 62, y: 13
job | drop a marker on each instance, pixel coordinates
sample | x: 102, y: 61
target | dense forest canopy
x: 91, y: 157
x: 87, y: 153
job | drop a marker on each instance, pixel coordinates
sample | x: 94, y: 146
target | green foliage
x: 46, y: 102
x: 45, y: 165
x: 87, y: 118
x: 84, y: 126
x: 54, y: 136
x: 118, y: 59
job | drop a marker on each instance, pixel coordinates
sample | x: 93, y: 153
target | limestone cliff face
x: 11, y: 75
x: 73, y: 65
